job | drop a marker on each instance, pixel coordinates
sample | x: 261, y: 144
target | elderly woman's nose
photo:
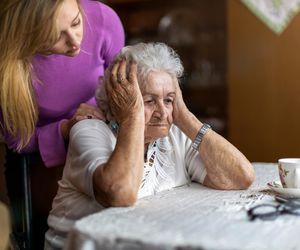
x: 161, y: 110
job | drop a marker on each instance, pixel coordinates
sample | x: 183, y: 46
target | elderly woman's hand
x: 180, y: 110
x: 123, y: 92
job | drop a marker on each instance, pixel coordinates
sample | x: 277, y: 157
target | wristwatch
x: 202, y: 131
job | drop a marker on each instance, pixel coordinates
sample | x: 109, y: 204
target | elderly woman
x: 150, y: 142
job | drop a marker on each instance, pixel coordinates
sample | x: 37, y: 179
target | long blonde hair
x: 26, y: 28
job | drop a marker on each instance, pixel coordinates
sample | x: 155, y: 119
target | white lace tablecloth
x: 191, y: 217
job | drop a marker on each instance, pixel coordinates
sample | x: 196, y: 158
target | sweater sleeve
x: 51, y: 144
x: 47, y: 139
x: 113, y: 33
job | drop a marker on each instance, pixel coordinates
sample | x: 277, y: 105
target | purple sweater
x: 66, y: 82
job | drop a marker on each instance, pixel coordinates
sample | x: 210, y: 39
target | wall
x: 264, y: 86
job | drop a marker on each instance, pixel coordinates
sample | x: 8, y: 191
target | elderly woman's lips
x: 157, y: 124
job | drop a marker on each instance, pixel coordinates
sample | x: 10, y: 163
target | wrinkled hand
x: 123, y: 92
x: 84, y: 111
x: 180, y: 110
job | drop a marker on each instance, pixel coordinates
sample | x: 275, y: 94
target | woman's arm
x: 47, y: 140
x: 116, y: 183
x: 50, y: 140
x: 226, y: 166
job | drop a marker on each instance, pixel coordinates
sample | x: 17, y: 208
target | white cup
x: 289, y: 172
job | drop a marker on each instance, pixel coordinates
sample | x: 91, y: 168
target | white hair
x: 150, y: 57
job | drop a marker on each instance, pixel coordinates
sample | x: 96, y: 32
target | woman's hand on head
x: 123, y: 91
x: 84, y: 111
x: 180, y: 110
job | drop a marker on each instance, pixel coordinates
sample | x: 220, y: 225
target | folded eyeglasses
x: 272, y: 211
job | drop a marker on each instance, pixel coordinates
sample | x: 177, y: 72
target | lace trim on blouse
x: 159, y: 168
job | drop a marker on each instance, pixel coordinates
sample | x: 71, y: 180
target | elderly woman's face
x: 158, y: 95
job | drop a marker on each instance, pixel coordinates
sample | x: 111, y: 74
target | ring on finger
x: 121, y: 79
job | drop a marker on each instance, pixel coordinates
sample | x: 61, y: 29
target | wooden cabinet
x: 196, y: 29
x: 264, y: 86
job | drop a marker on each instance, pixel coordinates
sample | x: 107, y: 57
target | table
x: 191, y: 217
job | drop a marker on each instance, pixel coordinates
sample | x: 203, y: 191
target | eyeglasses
x: 272, y: 211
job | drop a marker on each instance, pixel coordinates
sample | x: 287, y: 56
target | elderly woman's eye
x: 168, y: 101
x: 149, y: 102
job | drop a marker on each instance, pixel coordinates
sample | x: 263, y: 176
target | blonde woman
x: 52, y: 54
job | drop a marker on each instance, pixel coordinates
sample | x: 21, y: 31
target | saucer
x: 286, y: 192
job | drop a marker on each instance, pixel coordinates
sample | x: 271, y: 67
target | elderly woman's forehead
x: 157, y: 79
x: 158, y: 75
